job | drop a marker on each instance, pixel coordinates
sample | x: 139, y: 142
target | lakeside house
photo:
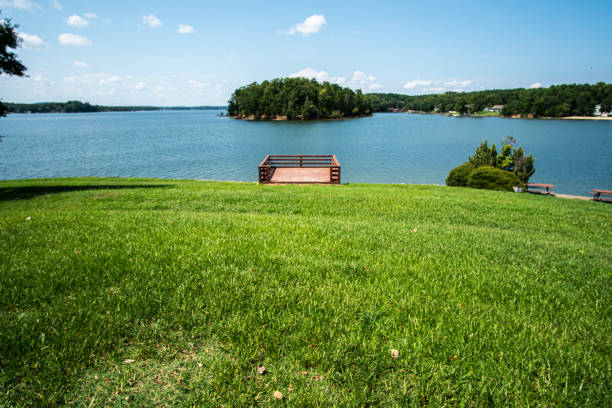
x: 597, y: 112
x: 494, y: 108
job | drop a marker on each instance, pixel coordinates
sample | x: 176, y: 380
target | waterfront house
x: 494, y: 108
x: 597, y: 111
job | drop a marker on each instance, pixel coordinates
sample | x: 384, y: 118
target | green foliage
x: 510, y: 158
x: 484, y: 156
x: 458, y: 177
x: 490, y: 178
x: 524, y: 166
x: 198, y: 283
x: 513, y: 159
x: 555, y: 101
x: 83, y: 107
x: 9, y: 64
x: 297, y: 98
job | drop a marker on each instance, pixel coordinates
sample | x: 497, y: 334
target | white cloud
x: 438, y: 86
x: 21, y: 4
x: 435, y: 89
x: 361, y: 78
x: 106, y: 92
x: 140, y: 86
x: 185, y: 29
x: 32, y: 42
x: 220, y: 87
x: 535, y: 85
x: 90, y: 16
x: 73, y: 40
x: 92, y: 79
x: 77, y: 21
x: 108, y: 80
x: 80, y: 64
x: 43, y: 79
x: 358, y: 79
x: 311, y: 25
x: 56, y: 5
x: 463, y: 83
x: 417, y: 82
x: 151, y: 21
x: 197, y: 84
x: 309, y: 73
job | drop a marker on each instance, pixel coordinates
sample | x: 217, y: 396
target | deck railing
x: 272, y: 161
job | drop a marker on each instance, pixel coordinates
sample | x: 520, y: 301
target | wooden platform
x: 300, y: 169
x: 300, y: 175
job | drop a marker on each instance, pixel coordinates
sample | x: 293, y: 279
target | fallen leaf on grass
x: 454, y: 358
x: 415, y: 230
x: 394, y: 353
x: 278, y: 395
x: 316, y: 378
x: 290, y: 389
x: 261, y: 370
x: 28, y: 218
x: 304, y: 372
x: 128, y: 361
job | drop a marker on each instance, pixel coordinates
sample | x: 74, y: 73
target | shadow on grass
x: 27, y: 192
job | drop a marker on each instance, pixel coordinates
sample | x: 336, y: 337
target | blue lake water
x: 575, y: 156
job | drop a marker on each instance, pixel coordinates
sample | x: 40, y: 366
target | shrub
x: 490, y: 178
x: 514, y: 160
x: 484, y: 156
x: 458, y: 176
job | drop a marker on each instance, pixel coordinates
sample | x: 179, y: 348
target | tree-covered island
x: 297, y: 99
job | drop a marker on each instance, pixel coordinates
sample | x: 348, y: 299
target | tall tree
x: 9, y: 64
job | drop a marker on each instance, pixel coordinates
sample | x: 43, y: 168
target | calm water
x: 386, y: 148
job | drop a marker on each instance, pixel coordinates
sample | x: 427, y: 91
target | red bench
x: 539, y: 188
x: 602, y: 195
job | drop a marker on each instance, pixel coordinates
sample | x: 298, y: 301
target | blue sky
x: 197, y: 52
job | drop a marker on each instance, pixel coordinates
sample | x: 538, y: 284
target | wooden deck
x: 300, y: 169
x: 300, y: 175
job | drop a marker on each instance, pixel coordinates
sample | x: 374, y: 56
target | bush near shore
x: 142, y: 292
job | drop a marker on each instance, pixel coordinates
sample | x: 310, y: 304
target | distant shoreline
x: 509, y: 117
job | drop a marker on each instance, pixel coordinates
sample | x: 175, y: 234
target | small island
x: 297, y: 99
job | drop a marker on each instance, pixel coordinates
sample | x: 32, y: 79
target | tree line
x: 297, y: 98
x: 554, y: 101
x: 78, y: 106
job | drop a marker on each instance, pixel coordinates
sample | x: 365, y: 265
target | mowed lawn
x: 141, y: 292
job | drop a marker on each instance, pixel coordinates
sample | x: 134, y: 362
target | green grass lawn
x: 140, y: 292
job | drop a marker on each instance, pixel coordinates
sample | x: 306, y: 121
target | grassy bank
x: 120, y: 292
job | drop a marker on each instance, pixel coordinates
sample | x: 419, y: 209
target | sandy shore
x: 588, y: 117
